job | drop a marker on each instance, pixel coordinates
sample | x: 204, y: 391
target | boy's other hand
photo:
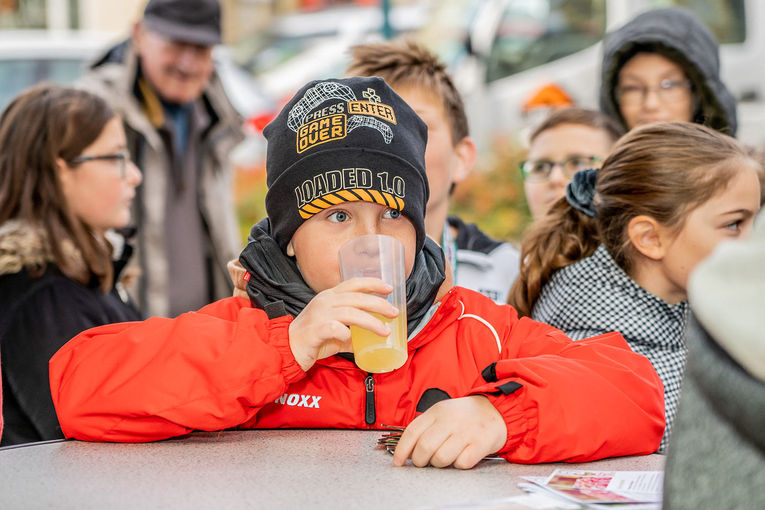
x: 236, y: 272
x: 322, y: 328
x: 458, y: 432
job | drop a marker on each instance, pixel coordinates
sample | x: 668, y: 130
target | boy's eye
x: 392, y: 213
x: 338, y: 216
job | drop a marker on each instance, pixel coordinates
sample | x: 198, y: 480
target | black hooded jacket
x: 679, y: 36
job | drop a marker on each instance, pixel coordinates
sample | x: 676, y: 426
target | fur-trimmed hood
x: 25, y: 245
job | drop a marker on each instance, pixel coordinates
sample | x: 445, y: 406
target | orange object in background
x: 313, y: 5
x: 549, y: 96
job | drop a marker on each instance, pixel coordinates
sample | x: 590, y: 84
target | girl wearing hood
x: 664, y: 65
x: 65, y: 179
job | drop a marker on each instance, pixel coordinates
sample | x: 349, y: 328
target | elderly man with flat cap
x: 181, y: 128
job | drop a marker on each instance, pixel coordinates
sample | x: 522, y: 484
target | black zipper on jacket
x: 369, y: 413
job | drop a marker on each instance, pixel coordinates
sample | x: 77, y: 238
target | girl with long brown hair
x: 65, y: 181
x: 615, y: 254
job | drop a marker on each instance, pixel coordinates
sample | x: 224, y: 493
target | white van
x: 517, y: 47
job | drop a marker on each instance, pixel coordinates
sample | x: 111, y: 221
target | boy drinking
x: 420, y: 78
x: 346, y: 158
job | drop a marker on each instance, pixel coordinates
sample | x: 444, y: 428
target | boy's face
x: 317, y: 241
x: 445, y: 163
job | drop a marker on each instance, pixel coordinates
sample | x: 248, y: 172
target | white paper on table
x: 589, y: 487
x: 546, y: 495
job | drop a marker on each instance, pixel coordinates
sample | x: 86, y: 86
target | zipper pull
x: 369, y: 414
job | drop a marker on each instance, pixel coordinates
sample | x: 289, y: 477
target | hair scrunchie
x: 581, y: 190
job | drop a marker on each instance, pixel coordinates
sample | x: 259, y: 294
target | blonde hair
x: 408, y: 64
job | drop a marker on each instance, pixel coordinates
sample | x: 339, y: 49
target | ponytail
x: 566, y: 234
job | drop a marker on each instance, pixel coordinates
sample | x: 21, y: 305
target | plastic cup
x: 378, y: 256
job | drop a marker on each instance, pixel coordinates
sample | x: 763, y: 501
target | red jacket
x: 228, y: 365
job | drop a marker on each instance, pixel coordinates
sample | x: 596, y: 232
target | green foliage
x: 249, y: 198
x: 492, y: 196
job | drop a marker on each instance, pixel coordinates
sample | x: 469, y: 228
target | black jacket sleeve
x: 42, y: 321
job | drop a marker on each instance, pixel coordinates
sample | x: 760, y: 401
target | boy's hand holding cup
x: 378, y: 256
x: 366, y: 310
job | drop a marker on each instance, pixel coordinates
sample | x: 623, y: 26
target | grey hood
x: 678, y: 35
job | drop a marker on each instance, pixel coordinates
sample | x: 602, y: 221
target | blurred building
x: 241, y: 17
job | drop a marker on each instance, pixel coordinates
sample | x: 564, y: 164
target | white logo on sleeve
x: 295, y: 399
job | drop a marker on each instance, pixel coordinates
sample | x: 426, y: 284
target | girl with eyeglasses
x: 568, y: 140
x: 662, y: 66
x: 615, y: 254
x: 65, y: 181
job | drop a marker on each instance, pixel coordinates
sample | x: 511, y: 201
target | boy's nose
x: 367, y: 226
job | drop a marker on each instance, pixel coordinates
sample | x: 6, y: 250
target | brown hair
x: 582, y: 116
x: 758, y: 154
x: 408, y: 64
x: 42, y: 124
x: 662, y: 170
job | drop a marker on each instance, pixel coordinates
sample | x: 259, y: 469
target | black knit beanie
x: 344, y: 140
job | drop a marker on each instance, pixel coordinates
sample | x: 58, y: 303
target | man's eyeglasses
x: 122, y: 157
x: 539, y: 170
x: 669, y: 91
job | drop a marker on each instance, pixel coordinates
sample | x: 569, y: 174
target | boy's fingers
x: 446, y: 454
x: 469, y: 457
x: 367, y: 302
x: 364, y: 285
x: 428, y: 444
x: 337, y: 326
x: 350, y: 316
x: 236, y: 272
x: 331, y: 347
x: 403, y: 451
x: 409, y: 439
x: 334, y: 330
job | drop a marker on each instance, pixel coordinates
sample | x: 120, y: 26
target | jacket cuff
x: 520, y: 419
x: 279, y: 338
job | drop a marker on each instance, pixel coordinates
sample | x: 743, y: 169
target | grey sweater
x: 716, y: 458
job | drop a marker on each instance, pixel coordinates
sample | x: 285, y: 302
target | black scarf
x: 276, y: 285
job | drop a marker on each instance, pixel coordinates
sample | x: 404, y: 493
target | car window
x: 18, y: 74
x: 534, y: 32
x: 725, y: 18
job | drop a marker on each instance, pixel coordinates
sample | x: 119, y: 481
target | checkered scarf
x: 595, y: 296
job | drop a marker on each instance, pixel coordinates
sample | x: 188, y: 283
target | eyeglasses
x: 539, y: 170
x: 669, y: 91
x: 122, y: 157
